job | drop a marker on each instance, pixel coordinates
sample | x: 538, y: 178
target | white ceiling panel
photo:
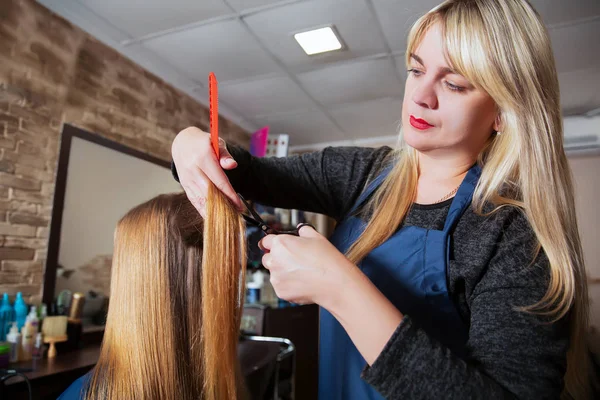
x: 561, y: 11
x: 369, y: 79
x: 370, y: 119
x: 352, y: 19
x: 580, y: 90
x: 397, y: 18
x: 265, y: 96
x: 304, y: 128
x: 349, y: 96
x: 222, y: 47
x: 142, y: 17
x: 576, y: 46
x: 244, y: 5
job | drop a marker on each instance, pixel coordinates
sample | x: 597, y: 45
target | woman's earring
x: 498, y: 133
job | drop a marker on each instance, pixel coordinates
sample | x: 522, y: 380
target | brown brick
x: 31, y: 120
x: 26, y: 148
x: 47, y: 188
x: 7, y: 40
x: 9, y: 94
x: 129, y: 103
x: 7, y: 166
x: 18, y: 206
x: 36, y: 278
x: 4, y: 192
x: 47, y: 56
x: 90, y: 62
x: 21, y: 266
x: 15, y: 253
x: 29, y: 243
x: 25, y: 289
x: 7, y: 142
x: 42, y: 96
x: 28, y: 219
x: 30, y: 172
x: 39, y: 139
x: 41, y: 255
x: 59, y: 32
x: 101, y: 122
x: 10, y: 278
x: 86, y: 82
x: 32, y: 197
x: 17, y: 230
x: 19, y: 183
x: 43, y: 232
x: 23, y: 159
x: 44, y: 211
x: 131, y: 82
x: 11, y: 13
x: 10, y: 123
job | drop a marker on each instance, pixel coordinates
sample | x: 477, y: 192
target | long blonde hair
x: 503, y: 48
x: 175, y: 303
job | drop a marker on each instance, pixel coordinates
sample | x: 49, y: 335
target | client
x: 176, y: 300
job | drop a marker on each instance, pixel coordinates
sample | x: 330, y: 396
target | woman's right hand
x: 197, y: 165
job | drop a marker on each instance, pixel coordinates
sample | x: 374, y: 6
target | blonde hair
x: 175, y: 303
x: 502, y: 47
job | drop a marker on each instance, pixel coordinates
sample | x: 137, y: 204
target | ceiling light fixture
x: 319, y: 41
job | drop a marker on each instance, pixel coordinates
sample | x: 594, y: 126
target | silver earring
x: 498, y: 133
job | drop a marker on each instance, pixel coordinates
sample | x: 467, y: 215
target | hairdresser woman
x: 433, y: 285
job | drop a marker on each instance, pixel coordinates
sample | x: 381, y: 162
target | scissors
x: 256, y: 220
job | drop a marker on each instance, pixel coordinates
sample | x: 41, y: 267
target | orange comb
x: 213, y: 98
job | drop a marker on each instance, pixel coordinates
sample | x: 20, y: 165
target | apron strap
x: 463, y: 197
x: 373, y: 185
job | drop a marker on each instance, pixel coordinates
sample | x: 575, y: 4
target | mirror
x: 98, y: 181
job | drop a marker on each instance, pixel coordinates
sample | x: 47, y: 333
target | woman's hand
x: 197, y: 165
x: 305, y: 269
x: 309, y: 269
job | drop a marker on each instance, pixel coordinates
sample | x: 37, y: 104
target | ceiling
x: 348, y: 97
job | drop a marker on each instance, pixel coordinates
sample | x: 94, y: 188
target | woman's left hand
x: 305, y: 269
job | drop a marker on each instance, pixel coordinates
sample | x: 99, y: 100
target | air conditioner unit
x: 582, y: 134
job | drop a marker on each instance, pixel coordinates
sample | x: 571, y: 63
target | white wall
x: 586, y: 174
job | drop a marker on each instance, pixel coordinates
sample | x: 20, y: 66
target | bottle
x: 33, y: 318
x: 43, y: 313
x: 26, y: 342
x: 38, y: 348
x: 7, y: 316
x: 14, y: 338
x: 20, y: 311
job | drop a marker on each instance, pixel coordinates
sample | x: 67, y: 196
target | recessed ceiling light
x: 318, y: 41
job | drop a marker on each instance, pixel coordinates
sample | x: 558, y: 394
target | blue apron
x: 410, y: 269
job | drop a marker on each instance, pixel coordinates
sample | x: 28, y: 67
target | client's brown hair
x: 175, y: 303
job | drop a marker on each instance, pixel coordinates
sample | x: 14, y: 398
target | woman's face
x: 442, y: 112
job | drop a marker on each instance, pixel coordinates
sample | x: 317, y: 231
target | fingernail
x: 230, y: 162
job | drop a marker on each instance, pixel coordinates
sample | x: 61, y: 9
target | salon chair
x: 264, y: 360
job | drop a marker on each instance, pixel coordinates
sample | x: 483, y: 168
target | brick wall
x: 51, y: 73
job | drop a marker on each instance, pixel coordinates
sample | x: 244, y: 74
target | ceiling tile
x: 397, y: 17
x: 304, y: 128
x: 401, y: 66
x: 243, y: 5
x: 265, y: 96
x: 560, y: 11
x: 353, y: 82
x: 142, y: 17
x: 369, y: 119
x: 580, y: 90
x: 276, y: 27
x: 203, y: 49
x: 576, y: 46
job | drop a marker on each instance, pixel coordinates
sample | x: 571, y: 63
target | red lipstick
x: 419, y: 123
